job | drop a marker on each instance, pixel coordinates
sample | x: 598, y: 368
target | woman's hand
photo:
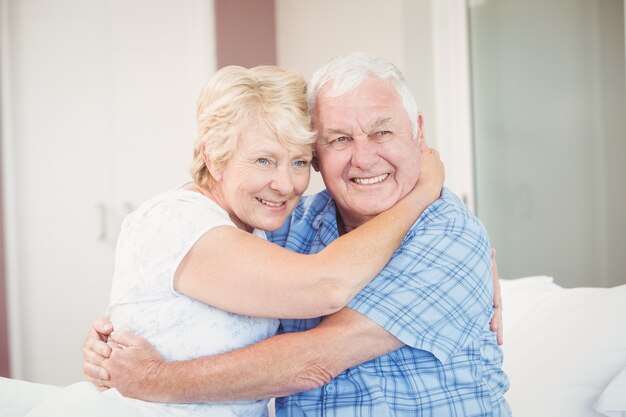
x: 133, y: 366
x: 96, y: 351
x: 432, y: 175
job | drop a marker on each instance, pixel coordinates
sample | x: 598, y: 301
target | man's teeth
x: 270, y: 203
x: 372, y: 180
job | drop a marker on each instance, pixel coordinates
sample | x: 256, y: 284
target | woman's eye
x: 263, y: 161
x: 340, y: 139
x: 301, y: 163
x: 383, y: 133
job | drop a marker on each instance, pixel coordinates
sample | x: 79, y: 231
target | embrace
x: 374, y: 297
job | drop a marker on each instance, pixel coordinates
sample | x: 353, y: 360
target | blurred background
x: 526, y: 100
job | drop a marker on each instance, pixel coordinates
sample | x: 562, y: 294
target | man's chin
x: 371, y: 207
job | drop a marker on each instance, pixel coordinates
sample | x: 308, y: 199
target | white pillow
x: 561, y: 346
x: 612, y: 402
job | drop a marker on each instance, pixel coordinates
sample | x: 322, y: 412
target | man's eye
x: 301, y: 163
x: 340, y: 139
x: 383, y: 133
x: 263, y: 161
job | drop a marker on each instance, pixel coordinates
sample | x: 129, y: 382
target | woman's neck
x: 214, y: 193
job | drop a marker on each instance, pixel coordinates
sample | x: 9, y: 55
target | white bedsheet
x: 562, y: 347
x: 82, y: 399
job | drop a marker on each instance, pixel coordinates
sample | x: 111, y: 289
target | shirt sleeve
x: 436, y: 293
x: 168, y: 231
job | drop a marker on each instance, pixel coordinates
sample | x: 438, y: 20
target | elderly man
x: 416, y: 341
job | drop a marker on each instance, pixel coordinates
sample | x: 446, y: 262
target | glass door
x: 549, y: 111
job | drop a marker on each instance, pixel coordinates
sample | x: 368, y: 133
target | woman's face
x: 262, y: 182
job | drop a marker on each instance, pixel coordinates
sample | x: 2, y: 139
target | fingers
x: 497, y: 300
x: 496, y: 322
x: 115, y: 346
x: 95, y: 374
x: 95, y: 352
x: 95, y: 345
x: 126, y: 339
x: 94, y: 356
x: 103, y: 327
x: 93, y: 363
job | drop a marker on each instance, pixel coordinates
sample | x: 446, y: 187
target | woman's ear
x: 214, y: 169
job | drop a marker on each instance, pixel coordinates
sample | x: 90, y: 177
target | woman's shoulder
x: 178, y: 203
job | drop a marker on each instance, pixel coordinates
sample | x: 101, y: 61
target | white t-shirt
x: 153, y: 241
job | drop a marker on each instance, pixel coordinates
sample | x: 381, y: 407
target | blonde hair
x: 237, y: 98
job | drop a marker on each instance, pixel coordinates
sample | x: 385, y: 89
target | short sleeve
x: 167, y: 232
x: 435, y: 294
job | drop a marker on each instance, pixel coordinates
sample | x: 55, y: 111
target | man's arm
x: 278, y: 366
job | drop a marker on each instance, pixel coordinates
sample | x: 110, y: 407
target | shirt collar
x: 325, y: 223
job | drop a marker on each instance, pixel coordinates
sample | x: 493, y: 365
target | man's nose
x: 282, y: 181
x: 364, y: 153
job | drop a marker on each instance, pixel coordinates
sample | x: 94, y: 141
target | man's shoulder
x: 449, y: 215
x: 308, y: 211
x: 312, y: 204
x: 310, y: 207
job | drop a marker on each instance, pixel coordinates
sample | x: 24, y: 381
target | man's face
x: 366, y: 152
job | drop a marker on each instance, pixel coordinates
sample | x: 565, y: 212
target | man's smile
x: 370, y: 180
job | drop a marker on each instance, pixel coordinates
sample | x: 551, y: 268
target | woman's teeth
x: 270, y: 203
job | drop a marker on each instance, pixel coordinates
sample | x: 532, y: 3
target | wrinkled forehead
x: 370, y: 104
x: 367, y: 90
x: 345, y: 86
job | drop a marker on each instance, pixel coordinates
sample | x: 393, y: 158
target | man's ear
x: 214, y: 169
x: 315, y: 163
x: 420, y: 131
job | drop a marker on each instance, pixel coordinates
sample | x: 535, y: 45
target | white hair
x: 348, y: 71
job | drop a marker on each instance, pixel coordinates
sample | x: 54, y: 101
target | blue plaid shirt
x: 436, y: 296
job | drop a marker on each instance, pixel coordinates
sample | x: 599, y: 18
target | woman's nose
x: 282, y: 181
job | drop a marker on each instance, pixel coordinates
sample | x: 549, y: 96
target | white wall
x: 99, y: 96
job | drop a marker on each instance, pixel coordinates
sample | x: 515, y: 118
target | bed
x: 565, y: 354
x: 565, y: 349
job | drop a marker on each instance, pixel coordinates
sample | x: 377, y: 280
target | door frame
x: 453, y: 95
x: 10, y: 321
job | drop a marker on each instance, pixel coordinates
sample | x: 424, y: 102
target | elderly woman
x: 194, y: 274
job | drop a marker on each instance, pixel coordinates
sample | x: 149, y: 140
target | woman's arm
x: 238, y: 272
x: 278, y: 366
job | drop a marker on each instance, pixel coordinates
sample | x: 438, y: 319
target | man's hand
x: 496, y: 320
x: 133, y: 366
x: 95, y: 351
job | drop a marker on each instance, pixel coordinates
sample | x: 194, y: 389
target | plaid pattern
x: 435, y: 295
